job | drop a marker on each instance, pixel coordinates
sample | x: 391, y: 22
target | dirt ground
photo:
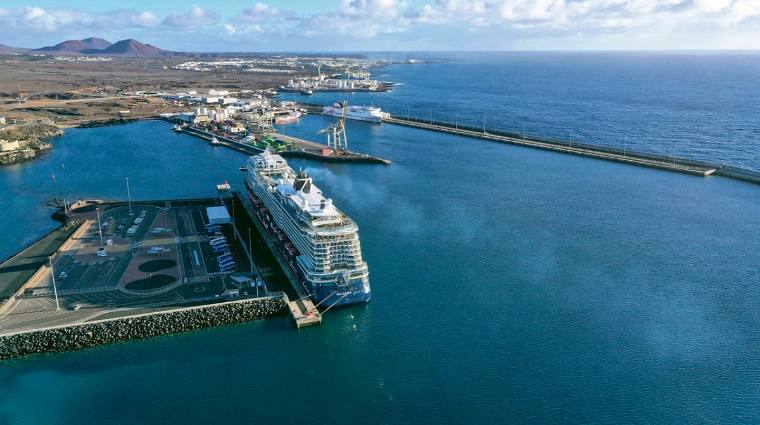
x: 75, y: 112
x: 64, y: 91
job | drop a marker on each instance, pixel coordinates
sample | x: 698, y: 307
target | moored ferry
x: 292, y: 116
x: 360, y: 113
x: 319, y: 242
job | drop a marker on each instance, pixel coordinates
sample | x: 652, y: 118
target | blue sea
x: 510, y: 285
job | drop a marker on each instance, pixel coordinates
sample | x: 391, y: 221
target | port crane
x: 336, y: 133
x: 318, y: 65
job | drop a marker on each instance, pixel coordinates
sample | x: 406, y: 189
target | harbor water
x: 510, y: 285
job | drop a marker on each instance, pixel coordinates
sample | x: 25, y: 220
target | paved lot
x: 20, y: 268
x: 172, y: 231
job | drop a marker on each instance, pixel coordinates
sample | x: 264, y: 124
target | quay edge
x: 102, y: 332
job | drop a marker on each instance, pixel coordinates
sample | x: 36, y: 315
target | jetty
x: 299, y: 148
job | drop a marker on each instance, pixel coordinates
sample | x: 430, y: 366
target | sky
x: 389, y: 25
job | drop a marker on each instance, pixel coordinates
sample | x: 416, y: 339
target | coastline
x: 30, y: 141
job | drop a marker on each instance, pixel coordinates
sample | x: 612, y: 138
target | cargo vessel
x: 319, y: 242
x: 293, y: 115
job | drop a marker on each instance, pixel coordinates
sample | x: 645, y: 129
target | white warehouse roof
x: 218, y: 215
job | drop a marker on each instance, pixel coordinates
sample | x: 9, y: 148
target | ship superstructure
x: 320, y: 243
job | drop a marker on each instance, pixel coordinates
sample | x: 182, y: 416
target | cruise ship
x: 360, y: 113
x: 319, y: 242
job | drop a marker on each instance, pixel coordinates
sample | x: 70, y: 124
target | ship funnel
x: 322, y: 204
x: 302, y: 182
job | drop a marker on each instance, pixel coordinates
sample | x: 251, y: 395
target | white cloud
x: 39, y: 20
x: 395, y: 24
x: 195, y: 18
x: 146, y: 19
x: 261, y: 12
x: 741, y: 10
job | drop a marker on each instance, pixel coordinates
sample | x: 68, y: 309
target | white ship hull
x: 358, y: 113
x: 288, y: 118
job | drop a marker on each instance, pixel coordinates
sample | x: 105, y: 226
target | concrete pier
x: 303, y: 312
x: 300, y: 149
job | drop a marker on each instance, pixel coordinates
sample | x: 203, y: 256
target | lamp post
x: 250, y: 249
x: 129, y: 198
x: 100, y: 228
x: 571, y: 136
x: 55, y: 290
x: 484, y: 123
x: 625, y: 144
x: 523, y: 129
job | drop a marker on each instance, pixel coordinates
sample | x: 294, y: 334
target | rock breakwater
x: 138, y: 327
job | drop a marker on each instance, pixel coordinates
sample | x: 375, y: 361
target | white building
x: 8, y: 146
x: 218, y: 215
x: 186, y: 116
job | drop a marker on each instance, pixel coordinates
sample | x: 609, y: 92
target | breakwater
x: 139, y: 327
x: 646, y: 159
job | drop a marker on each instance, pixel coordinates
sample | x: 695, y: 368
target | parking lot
x: 169, y: 241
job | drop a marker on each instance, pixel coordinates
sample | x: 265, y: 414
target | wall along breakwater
x: 108, y: 331
x: 645, y: 159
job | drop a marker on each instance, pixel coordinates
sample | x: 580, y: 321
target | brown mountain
x: 69, y: 46
x: 97, y: 43
x: 131, y: 48
x: 8, y: 49
x: 98, y: 46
